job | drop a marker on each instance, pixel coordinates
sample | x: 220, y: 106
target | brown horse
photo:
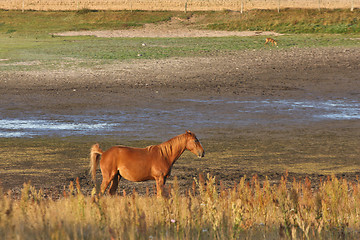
x: 141, y: 164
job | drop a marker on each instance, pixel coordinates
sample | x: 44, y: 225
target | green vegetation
x: 249, y: 210
x: 37, y: 23
x: 289, y: 21
x: 41, y: 24
x: 27, y: 41
x: 73, y: 52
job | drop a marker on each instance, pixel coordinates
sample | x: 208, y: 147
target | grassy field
x: 73, y: 52
x: 26, y: 42
x: 35, y: 23
x: 290, y: 21
x: 255, y: 208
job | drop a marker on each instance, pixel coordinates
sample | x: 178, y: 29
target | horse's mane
x: 167, y: 147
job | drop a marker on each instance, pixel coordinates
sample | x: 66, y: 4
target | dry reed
x: 253, y: 210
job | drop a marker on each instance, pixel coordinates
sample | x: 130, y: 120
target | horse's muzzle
x: 201, y: 154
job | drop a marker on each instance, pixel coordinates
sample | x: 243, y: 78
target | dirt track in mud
x: 300, y: 74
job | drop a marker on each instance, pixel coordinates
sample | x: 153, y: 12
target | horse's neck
x: 173, y: 148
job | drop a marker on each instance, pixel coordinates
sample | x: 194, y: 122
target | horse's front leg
x: 160, y: 182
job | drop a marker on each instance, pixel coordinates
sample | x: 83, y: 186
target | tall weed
x: 251, y: 209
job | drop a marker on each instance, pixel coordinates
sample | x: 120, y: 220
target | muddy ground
x: 315, y: 150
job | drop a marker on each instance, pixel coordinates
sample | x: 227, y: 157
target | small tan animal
x: 270, y: 40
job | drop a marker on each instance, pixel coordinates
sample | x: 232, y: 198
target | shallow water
x: 177, y: 116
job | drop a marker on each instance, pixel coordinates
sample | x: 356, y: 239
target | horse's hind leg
x: 107, y: 178
x: 114, y: 183
x: 104, y: 185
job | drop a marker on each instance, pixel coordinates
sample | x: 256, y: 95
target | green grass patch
x: 70, y: 52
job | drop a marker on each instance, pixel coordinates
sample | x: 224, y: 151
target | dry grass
x: 249, y: 210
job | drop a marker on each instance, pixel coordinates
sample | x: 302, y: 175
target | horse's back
x: 134, y: 164
x: 123, y: 152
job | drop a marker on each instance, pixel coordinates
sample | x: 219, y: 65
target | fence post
x: 352, y: 5
x: 278, y: 6
x: 23, y: 6
x: 241, y: 6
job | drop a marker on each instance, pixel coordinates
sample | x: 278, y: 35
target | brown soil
x: 323, y: 73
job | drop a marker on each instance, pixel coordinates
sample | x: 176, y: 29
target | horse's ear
x: 188, y: 132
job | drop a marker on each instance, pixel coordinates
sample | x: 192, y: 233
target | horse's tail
x: 95, y: 154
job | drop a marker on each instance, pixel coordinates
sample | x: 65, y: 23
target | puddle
x: 33, y: 127
x: 178, y: 115
x: 315, y: 110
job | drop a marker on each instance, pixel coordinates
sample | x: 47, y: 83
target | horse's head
x: 194, y: 145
